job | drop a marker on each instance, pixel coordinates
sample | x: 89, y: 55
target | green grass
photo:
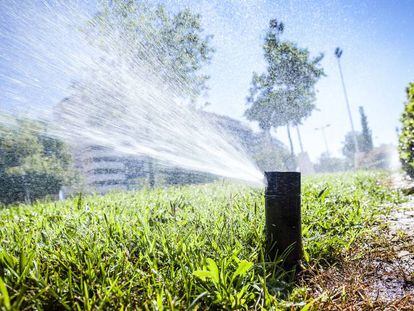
x: 191, y: 247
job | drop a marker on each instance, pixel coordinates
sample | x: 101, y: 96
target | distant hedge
x: 32, y: 164
x: 406, y: 145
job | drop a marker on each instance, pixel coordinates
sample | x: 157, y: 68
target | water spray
x: 283, y: 217
x: 109, y: 90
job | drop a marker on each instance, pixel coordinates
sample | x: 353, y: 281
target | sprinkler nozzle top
x: 283, y: 183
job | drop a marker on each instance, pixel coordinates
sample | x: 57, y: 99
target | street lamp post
x: 322, y: 129
x: 338, y: 54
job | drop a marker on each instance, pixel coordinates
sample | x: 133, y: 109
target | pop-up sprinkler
x: 283, y: 217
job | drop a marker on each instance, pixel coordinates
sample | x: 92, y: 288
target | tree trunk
x: 267, y: 138
x: 151, y: 175
x: 292, y: 152
x: 291, y: 164
x: 26, y: 191
x: 299, y: 138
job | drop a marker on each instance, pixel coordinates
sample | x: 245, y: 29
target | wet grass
x: 192, y: 247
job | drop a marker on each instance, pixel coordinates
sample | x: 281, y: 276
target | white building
x: 103, y: 169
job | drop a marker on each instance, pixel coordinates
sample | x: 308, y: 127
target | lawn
x: 192, y: 247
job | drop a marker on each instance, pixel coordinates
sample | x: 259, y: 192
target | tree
x: 379, y: 158
x: 366, y: 144
x: 145, y: 54
x: 406, y: 141
x: 285, y: 94
x: 269, y: 153
x: 328, y: 164
x: 172, y: 45
x: 32, y: 164
x: 348, y: 149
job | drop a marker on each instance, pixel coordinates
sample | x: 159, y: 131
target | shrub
x: 406, y: 144
x: 32, y: 165
x: 380, y: 157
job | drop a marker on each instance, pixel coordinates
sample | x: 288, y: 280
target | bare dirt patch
x: 377, y: 274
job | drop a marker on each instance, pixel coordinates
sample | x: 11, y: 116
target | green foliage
x: 366, y: 144
x: 285, y: 94
x: 270, y: 156
x: 220, y: 282
x: 173, y: 43
x: 348, y: 148
x: 32, y: 165
x: 406, y: 146
x: 328, y: 164
x: 379, y: 158
x: 267, y: 152
x: 198, y: 247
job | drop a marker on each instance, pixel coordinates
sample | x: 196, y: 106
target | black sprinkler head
x: 282, y: 183
x: 283, y: 217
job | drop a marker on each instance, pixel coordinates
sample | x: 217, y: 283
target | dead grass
x: 371, y: 276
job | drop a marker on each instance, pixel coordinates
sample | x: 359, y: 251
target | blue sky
x: 378, y: 61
